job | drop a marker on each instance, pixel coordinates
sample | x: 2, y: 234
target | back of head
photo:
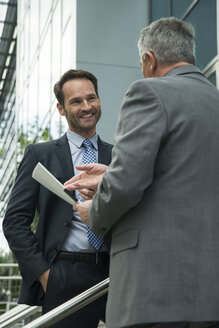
x: 171, y: 41
x: 71, y: 75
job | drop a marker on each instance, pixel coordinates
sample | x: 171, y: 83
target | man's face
x: 81, y: 106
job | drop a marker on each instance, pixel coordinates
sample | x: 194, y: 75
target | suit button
x: 66, y: 223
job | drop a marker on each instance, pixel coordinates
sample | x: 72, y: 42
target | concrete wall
x: 107, y: 36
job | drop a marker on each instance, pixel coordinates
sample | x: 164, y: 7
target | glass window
x: 160, y: 8
x: 67, y: 6
x: 56, y: 44
x: 25, y: 111
x: 33, y: 100
x: 20, y: 110
x: 26, y: 40
x: 45, y: 77
x: 21, y: 62
x: 203, y: 18
x: 21, y: 9
x: 179, y: 7
x: 68, y: 51
x: 45, y: 7
x: 34, y: 27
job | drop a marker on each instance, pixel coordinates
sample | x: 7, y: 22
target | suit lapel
x: 104, y: 152
x: 64, y: 156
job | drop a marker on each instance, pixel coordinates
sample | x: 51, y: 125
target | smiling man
x: 79, y: 103
x: 62, y: 258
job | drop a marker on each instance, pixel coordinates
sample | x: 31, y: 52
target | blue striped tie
x: 90, y: 157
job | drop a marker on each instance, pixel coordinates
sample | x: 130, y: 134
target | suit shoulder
x: 44, y: 144
x: 40, y: 147
x: 142, y: 85
x: 47, y: 144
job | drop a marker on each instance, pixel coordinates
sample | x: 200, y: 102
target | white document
x: 45, y: 178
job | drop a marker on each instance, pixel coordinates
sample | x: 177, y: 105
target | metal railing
x: 9, y: 286
x: 9, y: 265
x: 60, y: 312
x: 71, y: 306
x: 18, y: 313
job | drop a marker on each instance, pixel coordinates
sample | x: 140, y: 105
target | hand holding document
x: 45, y: 178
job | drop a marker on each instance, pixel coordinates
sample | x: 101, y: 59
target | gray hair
x: 171, y: 40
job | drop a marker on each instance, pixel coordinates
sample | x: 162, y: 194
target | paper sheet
x: 44, y: 177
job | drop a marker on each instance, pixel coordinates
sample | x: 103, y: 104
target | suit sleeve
x: 18, y: 218
x: 141, y: 127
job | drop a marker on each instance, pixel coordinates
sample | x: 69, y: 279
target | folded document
x: 45, y: 178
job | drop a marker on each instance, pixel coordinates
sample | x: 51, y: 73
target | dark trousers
x: 68, y: 279
x: 212, y: 324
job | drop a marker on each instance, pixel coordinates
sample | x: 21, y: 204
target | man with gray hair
x: 170, y: 40
x: 159, y: 196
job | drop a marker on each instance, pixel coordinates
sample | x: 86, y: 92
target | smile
x: 87, y: 115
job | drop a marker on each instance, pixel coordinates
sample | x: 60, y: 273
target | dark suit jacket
x: 36, y: 251
x: 160, y: 197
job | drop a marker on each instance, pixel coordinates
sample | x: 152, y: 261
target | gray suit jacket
x: 36, y: 251
x: 160, y: 196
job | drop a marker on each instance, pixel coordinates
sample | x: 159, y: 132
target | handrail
x: 10, y: 265
x: 17, y: 309
x: 71, y: 306
x: 16, y: 314
x: 10, y: 277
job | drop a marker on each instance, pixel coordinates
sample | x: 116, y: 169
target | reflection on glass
x: 67, y: 7
x: 33, y: 96
x: 44, y: 78
x: 26, y: 41
x: 44, y: 13
x: 56, y: 41
x: 25, y: 112
x: 34, y: 27
x: 68, y: 58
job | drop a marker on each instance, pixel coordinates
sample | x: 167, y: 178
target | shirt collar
x: 77, y: 140
x: 169, y: 72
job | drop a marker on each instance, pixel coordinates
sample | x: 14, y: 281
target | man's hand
x: 87, y: 181
x: 43, y: 278
x: 82, y: 208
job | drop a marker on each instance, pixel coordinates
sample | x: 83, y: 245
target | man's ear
x: 60, y: 109
x: 152, y: 61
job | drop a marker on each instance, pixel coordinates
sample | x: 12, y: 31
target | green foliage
x: 25, y: 139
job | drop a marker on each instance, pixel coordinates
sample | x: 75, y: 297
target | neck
x: 84, y: 134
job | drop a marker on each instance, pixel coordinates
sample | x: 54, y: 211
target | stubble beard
x: 75, y: 124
